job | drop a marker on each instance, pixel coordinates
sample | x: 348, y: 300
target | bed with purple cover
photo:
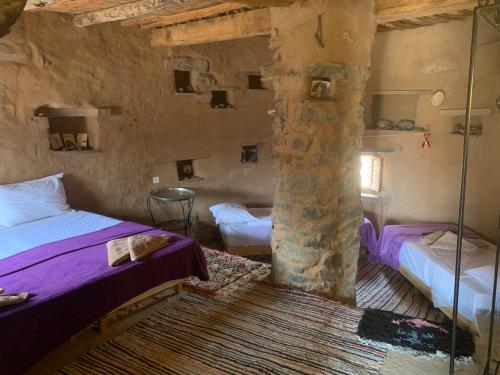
x: 72, y: 286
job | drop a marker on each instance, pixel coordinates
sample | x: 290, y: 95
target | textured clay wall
x: 49, y: 62
x: 424, y: 185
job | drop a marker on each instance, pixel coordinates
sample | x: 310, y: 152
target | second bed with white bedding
x: 436, y: 270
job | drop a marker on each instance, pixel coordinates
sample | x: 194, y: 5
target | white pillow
x: 484, y: 275
x: 231, y: 213
x: 32, y: 200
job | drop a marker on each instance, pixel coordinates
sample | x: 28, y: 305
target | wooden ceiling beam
x: 398, y: 10
x: 235, y: 26
x: 158, y: 20
x: 136, y: 9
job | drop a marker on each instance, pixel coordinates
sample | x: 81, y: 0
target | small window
x: 371, y: 168
x: 254, y: 82
x: 182, y: 80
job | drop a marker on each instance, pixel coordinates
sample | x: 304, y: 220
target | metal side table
x: 184, y: 197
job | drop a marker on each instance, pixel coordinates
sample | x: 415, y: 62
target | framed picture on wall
x: 69, y: 141
x: 55, y: 141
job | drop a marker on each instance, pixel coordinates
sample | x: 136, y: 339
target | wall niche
x: 220, y: 100
x: 254, y: 82
x: 74, y: 129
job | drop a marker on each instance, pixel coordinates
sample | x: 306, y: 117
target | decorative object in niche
x: 498, y: 102
x: 254, y: 82
x: 474, y: 129
x: 405, y: 124
x: 182, y: 80
x: 383, y: 124
x: 82, y: 141
x: 219, y: 99
x: 185, y: 169
x: 69, y: 142
x: 249, y: 154
x: 55, y: 141
x: 437, y: 98
x: 426, y: 144
x: 320, y: 88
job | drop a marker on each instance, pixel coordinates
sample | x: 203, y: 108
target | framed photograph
x: 82, y: 141
x: 249, y: 154
x: 55, y: 141
x: 320, y: 88
x: 69, y: 141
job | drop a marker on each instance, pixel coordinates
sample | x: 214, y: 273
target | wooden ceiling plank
x: 136, y: 9
x: 235, y: 26
x: 391, y: 10
x: 164, y: 20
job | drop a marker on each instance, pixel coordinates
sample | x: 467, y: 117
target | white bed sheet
x: 436, y: 269
x: 23, y: 237
x: 255, y: 233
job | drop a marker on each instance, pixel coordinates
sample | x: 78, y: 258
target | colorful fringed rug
x: 259, y: 329
x: 413, y: 333
x: 227, y: 273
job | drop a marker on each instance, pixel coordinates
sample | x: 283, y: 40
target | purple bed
x: 72, y: 286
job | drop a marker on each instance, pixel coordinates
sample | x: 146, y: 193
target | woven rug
x: 260, y: 329
x: 413, y: 334
x: 227, y: 273
x: 380, y: 287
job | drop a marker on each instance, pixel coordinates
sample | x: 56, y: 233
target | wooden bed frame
x: 161, y: 293
x: 462, y: 321
x: 248, y: 250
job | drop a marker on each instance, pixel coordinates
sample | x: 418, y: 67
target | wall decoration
x: 427, y: 141
x: 55, y: 141
x: 437, y: 98
x: 82, y: 141
x: 320, y: 88
x: 69, y: 141
x: 405, y: 125
x: 185, y: 169
x: 384, y: 124
x: 249, y: 154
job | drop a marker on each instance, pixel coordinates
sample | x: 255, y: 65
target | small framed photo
x: 82, y: 141
x: 69, y: 141
x: 320, y: 88
x: 249, y: 154
x: 55, y: 141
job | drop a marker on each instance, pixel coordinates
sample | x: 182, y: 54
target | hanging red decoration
x: 427, y: 141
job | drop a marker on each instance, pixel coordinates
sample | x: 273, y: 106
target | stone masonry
x: 317, y: 207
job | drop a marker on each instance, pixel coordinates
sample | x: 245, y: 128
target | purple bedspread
x: 393, y: 236
x: 368, y: 236
x: 72, y: 286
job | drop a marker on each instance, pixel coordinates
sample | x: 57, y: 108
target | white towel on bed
x: 133, y: 248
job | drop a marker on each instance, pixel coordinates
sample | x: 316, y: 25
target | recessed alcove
x: 254, y: 82
x: 74, y: 130
x: 183, y: 82
x: 220, y: 100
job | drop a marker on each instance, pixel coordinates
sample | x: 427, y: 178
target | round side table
x: 185, y: 197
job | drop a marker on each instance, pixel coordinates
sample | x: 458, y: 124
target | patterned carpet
x: 257, y: 329
x: 227, y: 273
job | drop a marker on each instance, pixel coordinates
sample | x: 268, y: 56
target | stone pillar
x: 317, y: 206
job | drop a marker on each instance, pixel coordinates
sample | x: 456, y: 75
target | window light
x: 370, y: 173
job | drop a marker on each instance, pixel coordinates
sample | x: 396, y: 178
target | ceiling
x: 175, y: 14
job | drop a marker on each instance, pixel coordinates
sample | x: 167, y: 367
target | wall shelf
x: 77, y: 112
x: 461, y: 112
x: 385, y: 133
x: 399, y: 92
x: 76, y: 152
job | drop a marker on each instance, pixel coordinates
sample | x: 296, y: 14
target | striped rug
x: 381, y: 287
x: 261, y: 329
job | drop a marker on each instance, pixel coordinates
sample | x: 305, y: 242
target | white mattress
x: 254, y: 233
x: 35, y: 233
x: 436, y: 269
